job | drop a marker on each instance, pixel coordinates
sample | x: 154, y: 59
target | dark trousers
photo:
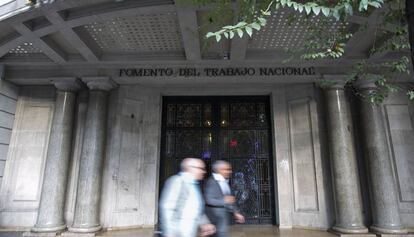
x: 220, y: 217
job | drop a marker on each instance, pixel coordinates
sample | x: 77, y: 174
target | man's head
x: 194, y: 166
x: 222, y: 167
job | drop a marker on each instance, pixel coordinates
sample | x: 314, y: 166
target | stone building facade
x: 83, y: 136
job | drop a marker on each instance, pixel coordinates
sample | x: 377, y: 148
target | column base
x: 73, y: 234
x: 381, y: 231
x: 84, y: 230
x: 395, y: 235
x: 47, y: 229
x: 40, y: 234
x: 351, y: 230
x: 349, y: 234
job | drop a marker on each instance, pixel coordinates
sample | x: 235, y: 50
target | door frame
x: 215, y: 99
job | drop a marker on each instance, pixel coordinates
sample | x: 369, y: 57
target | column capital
x: 100, y: 83
x: 338, y: 81
x: 70, y: 84
x: 363, y: 84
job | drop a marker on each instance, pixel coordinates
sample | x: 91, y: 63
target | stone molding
x: 69, y: 84
x: 100, y: 83
x: 339, y: 79
x: 365, y: 85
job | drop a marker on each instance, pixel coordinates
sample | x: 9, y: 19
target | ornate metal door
x: 236, y: 129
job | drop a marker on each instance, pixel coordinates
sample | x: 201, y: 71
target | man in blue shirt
x: 182, y: 204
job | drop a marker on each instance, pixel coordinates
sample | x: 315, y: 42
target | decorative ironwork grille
x: 236, y: 129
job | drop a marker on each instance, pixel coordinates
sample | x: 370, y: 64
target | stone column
x: 347, y: 195
x: 386, y: 216
x: 86, y: 218
x: 50, y: 217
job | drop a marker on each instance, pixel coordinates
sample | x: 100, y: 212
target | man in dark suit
x: 220, y: 201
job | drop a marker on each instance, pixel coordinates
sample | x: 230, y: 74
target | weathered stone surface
x: 87, y: 208
x: 77, y: 143
x: 71, y: 234
x: 395, y: 235
x: 348, y: 202
x: 70, y: 84
x: 23, y: 174
x: 117, y: 210
x: 99, y: 83
x: 43, y: 234
x: 384, y: 202
x: 51, y: 210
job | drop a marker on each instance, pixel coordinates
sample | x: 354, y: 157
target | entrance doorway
x: 235, y: 129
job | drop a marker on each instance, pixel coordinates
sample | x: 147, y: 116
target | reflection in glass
x: 245, y: 186
x: 207, y: 115
x: 207, y: 145
x: 188, y: 115
x: 242, y: 114
x: 224, y: 144
x: 207, y: 123
x: 171, y: 115
x: 169, y: 143
x: 244, y: 140
x: 188, y: 143
x: 224, y: 115
x: 261, y: 110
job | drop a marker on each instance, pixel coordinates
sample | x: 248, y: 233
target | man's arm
x: 232, y: 207
x: 168, y: 203
x: 236, y: 212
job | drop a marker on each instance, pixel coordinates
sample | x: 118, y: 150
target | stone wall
x: 399, y: 121
x: 303, y: 193
x: 130, y: 181
x: 23, y: 176
x: 303, y: 175
x: 8, y: 101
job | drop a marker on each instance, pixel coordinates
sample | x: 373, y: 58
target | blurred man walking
x: 220, y: 202
x: 181, y: 203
